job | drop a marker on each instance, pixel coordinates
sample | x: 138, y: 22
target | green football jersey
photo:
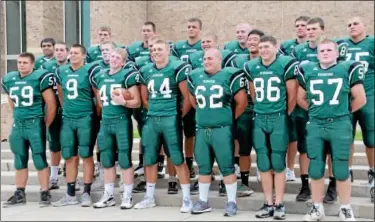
x: 235, y: 47
x: 196, y: 59
x: 41, y: 60
x: 214, y: 95
x: 182, y: 49
x: 328, y: 90
x: 26, y: 92
x: 136, y: 50
x: 363, y: 52
x: 101, y: 63
x: 77, y: 89
x: 288, y: 46
x: 105, y: 83
x: 163, y: 87
x: 145, y: 60
x: 95, y: 53
x: 270, y: 83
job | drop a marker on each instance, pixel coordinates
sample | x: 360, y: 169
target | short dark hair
x: 256, y: 32
x: 302, y: 18
x: 27, y: 55
x: 48, y: 40
x: 316, y: 20
x: 83, y: 49
x: 268, y: 38
x: 63, y: 43
x: 196, y: 20
x: 152, y: 25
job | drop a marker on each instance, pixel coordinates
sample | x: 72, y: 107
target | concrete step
x: 359, y: 171
x: 7, y: 155
x: 362, y: 207
x: 359, y: 187
x: 359, y: 146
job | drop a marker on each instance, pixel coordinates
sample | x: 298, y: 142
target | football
x: 125, y: 93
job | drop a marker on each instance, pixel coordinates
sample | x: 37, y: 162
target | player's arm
x: 237, y: 87
x: 356, y: 76
x: 291, y: 88
x: 49, y: 99
x: 10, y: 101
x: 191, y: 89
x: 290, y: 76
x: 241, y: 103
x: 302, y: 99
x: 249, y: 78
x: 59, y: 88
x: 144, y: 96
x: 186, y: 106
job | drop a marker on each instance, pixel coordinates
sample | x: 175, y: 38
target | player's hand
x: 117, y: 96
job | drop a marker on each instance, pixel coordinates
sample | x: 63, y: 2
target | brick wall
x: 274, y: 17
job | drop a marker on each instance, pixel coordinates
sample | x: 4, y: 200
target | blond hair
x: 122, y: 52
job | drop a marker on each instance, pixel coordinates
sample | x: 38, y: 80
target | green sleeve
x: 290, y: 69
x: 142, y: 77
x: 300, y: 76
x: 190, y: 84
x: 343, y: 48
x: 174, y: 51
x: 247, y: 72
x: 182, y: 71
x: 237, y: 82
x: 46, y: 81
x: 356, y: 73
x: 93, y: 70
x: 131, y: 79
x: 57, y: 75
x: 230, y: 60
x: 129, y: 65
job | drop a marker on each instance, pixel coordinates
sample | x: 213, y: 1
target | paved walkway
x: 32, y: 212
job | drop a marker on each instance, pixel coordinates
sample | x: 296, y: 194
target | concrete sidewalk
x: 32, y: 212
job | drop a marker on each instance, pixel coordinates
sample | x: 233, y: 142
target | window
x: 72, y: 22
x: 15, y: 19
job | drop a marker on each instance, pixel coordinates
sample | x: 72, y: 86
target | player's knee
x: 40, y: 161
x: 263, y: 162
x: 227, y: 170
x: 301, y: 148
x: 177, y: 159
x: 67, y: 153
x: 124, y: 160
x: 204, y: 169
x: 85, y: 151
x: 316, y: 169
x: 107, y: 159
x: 20, y: 162
x: 149, y: 160
x: 340, y: 169
x: 278, y: 161
x: 369, y: 139
x: 54, y: 146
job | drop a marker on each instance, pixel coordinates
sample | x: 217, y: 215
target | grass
x: 358, y: 135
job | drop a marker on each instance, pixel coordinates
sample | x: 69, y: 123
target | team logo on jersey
x: 315, y: 69
x: 235, y: 50
x: 53, y: 67
x: 258, y: 67
x: 200, y: 59
x: 201, y: 76
x: 304, y: 50
x: 14, y: 78
x: 150, y: 70
x: 95, y: 52
x: 184, y: 46
x: 66, y: 71
x: 137, y: 49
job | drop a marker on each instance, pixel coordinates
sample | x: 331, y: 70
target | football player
x: 209, y: 41
x: 287, y: 46
x: 240, y: 46
x: 140, y: 48
x: 140, y: 115
x: 244, y: 124
x: 61, y: 54
x: 183, y: 49
x: 47, y: 45
x: 361, y: 49
x: 324, y: 91
x: 116, y: 129
x: 213, y: 91
x: 28, y: 91
x: 308, y: 52
x: 76, y: 97
x: 274, y: 90
x: 163, y: 82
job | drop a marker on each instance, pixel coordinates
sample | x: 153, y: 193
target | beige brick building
x: 24, y: 23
